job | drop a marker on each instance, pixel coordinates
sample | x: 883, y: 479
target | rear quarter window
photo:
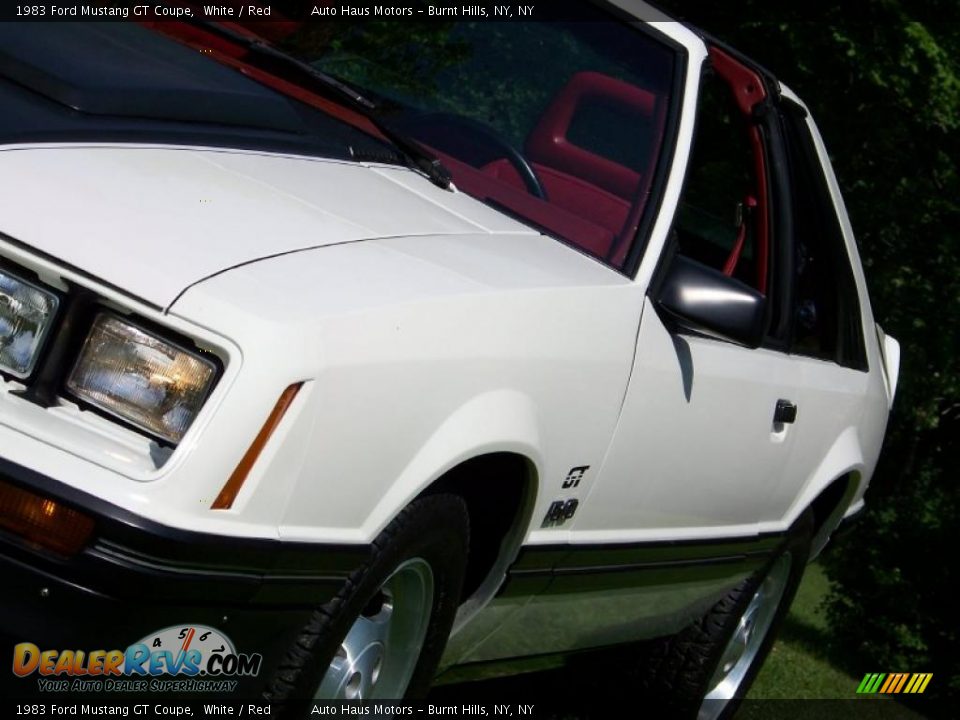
x: 826, y: 321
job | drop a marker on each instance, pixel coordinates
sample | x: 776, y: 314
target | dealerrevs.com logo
x: 185, y: 658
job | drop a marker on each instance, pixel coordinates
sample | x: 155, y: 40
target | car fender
x: 496, y: 421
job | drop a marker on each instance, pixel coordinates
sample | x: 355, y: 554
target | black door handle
x: 786, y: 412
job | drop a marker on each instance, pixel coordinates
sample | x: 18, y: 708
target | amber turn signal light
x: 43, y: 522
x: 229, y: 491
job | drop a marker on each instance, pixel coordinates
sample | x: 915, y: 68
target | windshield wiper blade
x: 415, y: 155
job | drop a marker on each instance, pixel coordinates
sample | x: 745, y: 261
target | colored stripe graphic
x: 918, y: 683
x: 891, y: 680
x: 893, y: 683
x: 870, y: 683
x: 903, y: 679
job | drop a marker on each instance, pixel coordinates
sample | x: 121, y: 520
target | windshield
x: 560, y: 124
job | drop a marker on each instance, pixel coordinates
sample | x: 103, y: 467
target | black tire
x: 678, y: 671
x: 433, y: 529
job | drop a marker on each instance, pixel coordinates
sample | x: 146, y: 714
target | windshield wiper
x: 414, y: 154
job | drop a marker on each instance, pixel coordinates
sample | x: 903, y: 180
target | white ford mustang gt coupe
x: 338, y: 354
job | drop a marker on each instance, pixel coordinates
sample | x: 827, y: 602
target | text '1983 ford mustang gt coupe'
x: 337, y: 355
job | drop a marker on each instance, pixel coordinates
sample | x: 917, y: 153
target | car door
x: 707, y: 423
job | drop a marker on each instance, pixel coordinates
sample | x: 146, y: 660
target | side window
x: 723, y: 218
x: 826, y: 309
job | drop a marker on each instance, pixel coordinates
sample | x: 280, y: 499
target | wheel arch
x: 500, y: 490
x: 829, y: 507
x: 836, y: 483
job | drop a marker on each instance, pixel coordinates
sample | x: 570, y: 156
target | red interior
x: 748, y: 90
x: 548, y: 145
x: 569, y: 192
x: 511, y: 195
x: 593, y: 202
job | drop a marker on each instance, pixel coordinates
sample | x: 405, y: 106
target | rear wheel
x: 741, y: 656
x: 383, y: 635
x: 707, y: 668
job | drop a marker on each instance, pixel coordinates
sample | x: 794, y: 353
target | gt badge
x: 575, y: 476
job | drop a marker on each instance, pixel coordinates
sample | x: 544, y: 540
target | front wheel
x: 380, y: 652
x: 383, y: 635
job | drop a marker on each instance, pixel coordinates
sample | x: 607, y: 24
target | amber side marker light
x: 43, y: 522
x: 232, y: 487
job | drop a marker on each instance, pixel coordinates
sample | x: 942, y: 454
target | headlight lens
x: 26, y: 312
x: 141, y: 378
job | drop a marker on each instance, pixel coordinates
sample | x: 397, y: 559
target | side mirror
x: 700, y: 298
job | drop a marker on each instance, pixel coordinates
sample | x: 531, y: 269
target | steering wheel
x: 473, y: 142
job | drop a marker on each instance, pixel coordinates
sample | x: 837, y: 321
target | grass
x: 801, y: 664
x: 798, y: 666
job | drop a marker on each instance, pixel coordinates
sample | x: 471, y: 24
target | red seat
x: 548, y: 143
x: 592, y: 201
x: 584, y: 182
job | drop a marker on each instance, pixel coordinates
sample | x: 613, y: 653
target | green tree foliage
x: 883, y: 82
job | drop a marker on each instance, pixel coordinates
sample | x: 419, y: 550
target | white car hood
x: 154, y: 220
